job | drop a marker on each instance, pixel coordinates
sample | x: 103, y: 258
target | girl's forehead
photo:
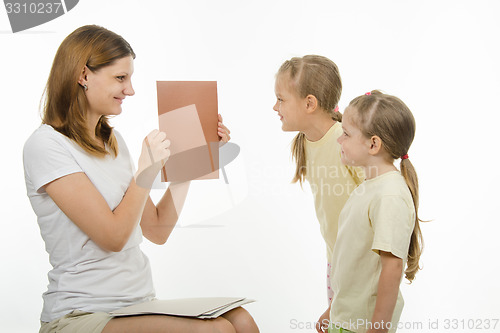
x: 350, y: 115
x: 348, y: 112
x: 284, y: 82
x: 281, y: 80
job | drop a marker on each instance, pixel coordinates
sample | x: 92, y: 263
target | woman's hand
x: 223, y: 131
x: 154, y: 154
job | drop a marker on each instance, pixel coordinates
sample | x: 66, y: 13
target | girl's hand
x: 323, y: 322
x: 223, y: 131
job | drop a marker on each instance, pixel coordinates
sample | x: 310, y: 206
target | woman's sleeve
x: 46, y: 158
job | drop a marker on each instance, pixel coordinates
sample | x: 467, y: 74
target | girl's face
x: 108, y: 87
x: 290, y: 107
x: 355, y: 146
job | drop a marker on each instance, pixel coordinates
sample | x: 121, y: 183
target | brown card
x: 187, y: 113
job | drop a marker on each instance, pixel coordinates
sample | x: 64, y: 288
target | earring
x: 85, y: 87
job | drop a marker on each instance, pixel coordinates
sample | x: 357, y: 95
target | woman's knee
x: 242, y: 321
x: 221, y: 325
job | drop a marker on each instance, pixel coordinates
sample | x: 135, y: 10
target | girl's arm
x: 387, y: 292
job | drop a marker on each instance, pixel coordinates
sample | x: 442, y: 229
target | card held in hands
x: 187, y: 113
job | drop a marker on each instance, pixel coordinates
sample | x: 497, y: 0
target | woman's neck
x: 92, y: 122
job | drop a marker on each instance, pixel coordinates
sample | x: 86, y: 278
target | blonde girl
x: 379, y: 236
x: 308, y: 91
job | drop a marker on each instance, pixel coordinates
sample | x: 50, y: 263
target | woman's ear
x: 82, y: 80
x: 311, y: 103
x: 375, y: 145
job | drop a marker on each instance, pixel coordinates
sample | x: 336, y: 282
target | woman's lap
x: 77, y: 321
x: 85, y: 322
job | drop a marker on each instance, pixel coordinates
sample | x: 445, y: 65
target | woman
x: 91, y: 211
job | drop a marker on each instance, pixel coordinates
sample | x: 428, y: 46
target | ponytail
x: 299, y: 151
x: 337, y: 116
x: 416, y: 241
x: 299, y: 155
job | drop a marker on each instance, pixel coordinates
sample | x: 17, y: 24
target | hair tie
x: 368, y: 93
x: 404, y: 157
x: 336, y: 109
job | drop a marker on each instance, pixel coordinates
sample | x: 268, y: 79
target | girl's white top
x: 331, y: 182
x: 379, y: 216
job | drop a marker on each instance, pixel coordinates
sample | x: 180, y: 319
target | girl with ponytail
x: 308, y: 92
x: 379, y: 236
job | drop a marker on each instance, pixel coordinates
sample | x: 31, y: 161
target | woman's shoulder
x: 43, y: 136
x: 122, y: 145
x: 46, y: 155
x: 119, y: 137
x: 42, y: 130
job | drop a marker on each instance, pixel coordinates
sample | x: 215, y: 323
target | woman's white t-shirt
x: 84, y: 276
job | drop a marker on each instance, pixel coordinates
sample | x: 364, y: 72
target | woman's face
x: 108, y: 87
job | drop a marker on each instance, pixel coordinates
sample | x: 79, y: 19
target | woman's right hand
x: 153, y: 156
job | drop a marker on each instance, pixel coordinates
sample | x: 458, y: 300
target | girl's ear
x: 82, y: 80
x: 311, y: 103
x: 375, y: 145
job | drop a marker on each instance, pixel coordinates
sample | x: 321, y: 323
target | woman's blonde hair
x: 65, y: 105
x: 386, y: 116
x: 318, y: 76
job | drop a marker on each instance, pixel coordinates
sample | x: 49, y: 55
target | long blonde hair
x: 66, y: 104
x: 390, y: 119
x: 318, y: 76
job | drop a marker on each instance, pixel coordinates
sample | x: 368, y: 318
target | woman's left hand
x: 223, y: 131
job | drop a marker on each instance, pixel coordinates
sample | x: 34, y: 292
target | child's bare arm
x: 387, y: 292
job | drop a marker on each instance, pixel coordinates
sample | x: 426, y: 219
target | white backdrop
x: 258, y: 237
